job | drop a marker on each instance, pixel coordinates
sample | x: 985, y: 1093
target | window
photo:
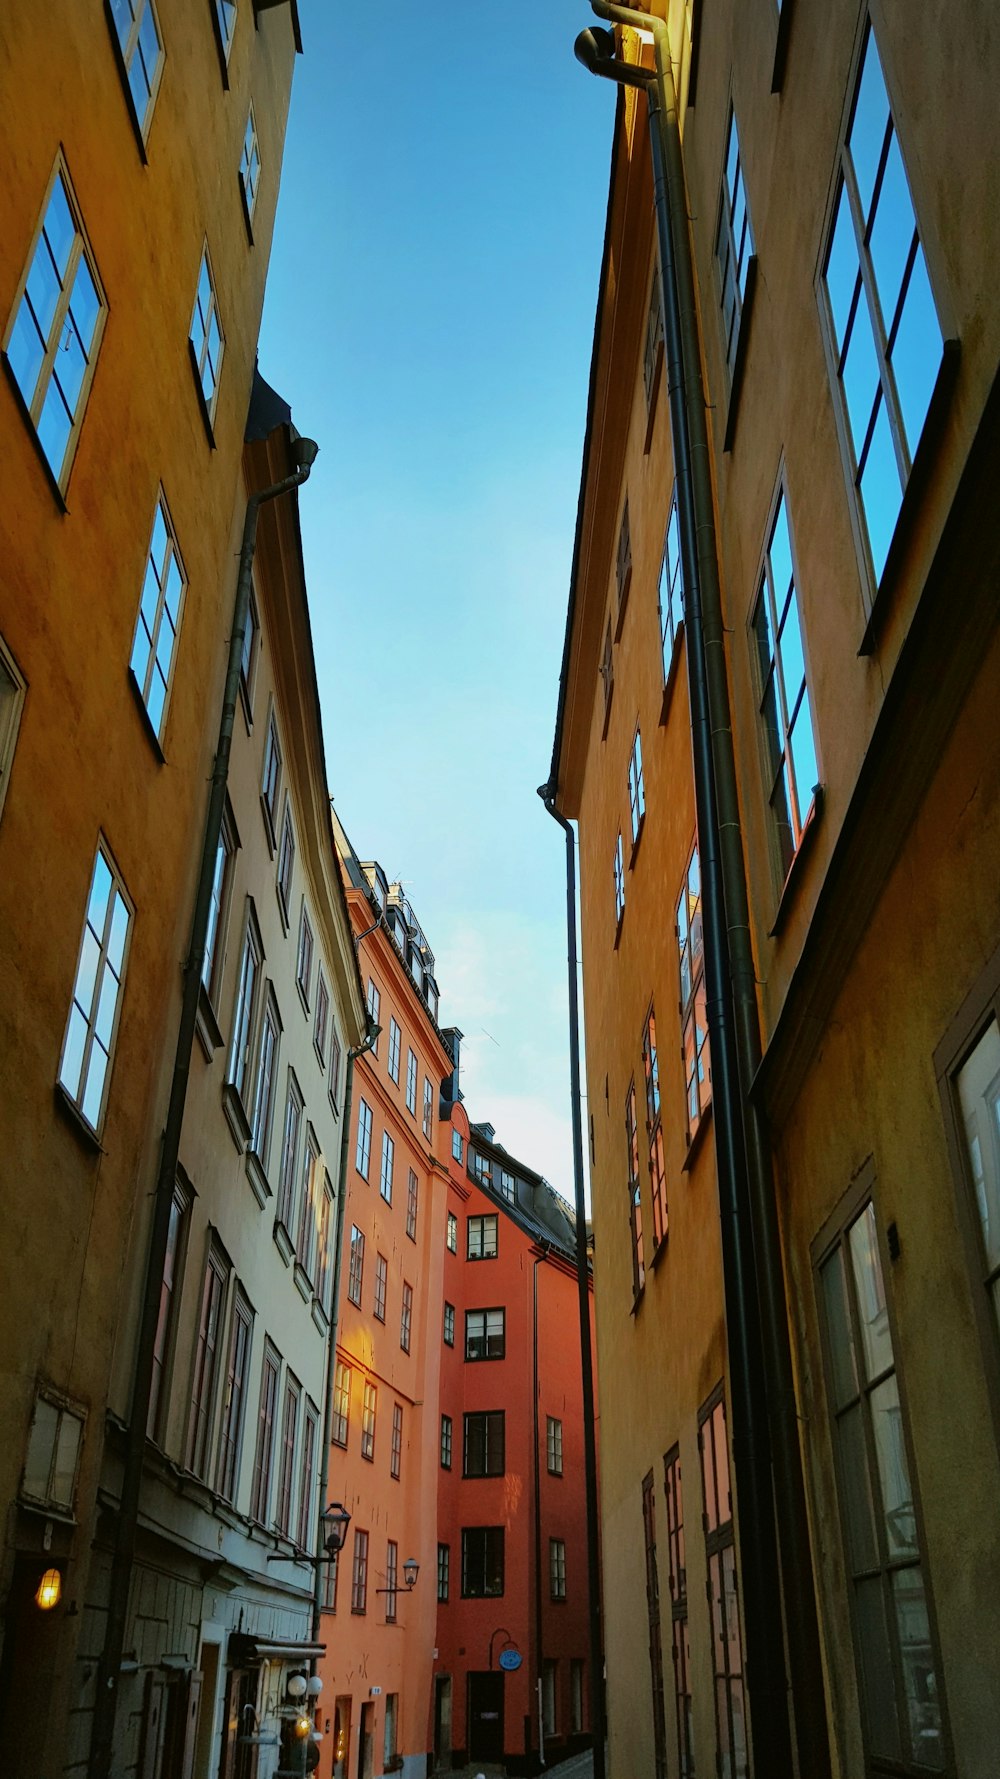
x: 623, y: 565
x: 395, y: 1037
x: 482, y: 1167
x: 449, y: 1324
x: 977, y: 1090
x: 506, y: 1185
x: 412, y: 1187
x: 211, y: 970
x: 608, y: 675
x: 363, y: 1150
x: 359, y: 1574
x: 733, y: 246
x: 679, y: 1613
x: 260, y: 1488
x: 154, y: 645
x: 406, y: 1317
x: 92, y: 1027
x: 396, y: 1452
x: 482, y: 1237
x: 373, y: 1001
x: 651, y: 1071
x: 12, y: 690
x: 55, y: 332
x: 652, y: 350
x: 248, y: 657
x: 730, y: 1705
x: 305, y: 1238
x: 553, y: 1445
x: 331, y: 1570
x: 324, y: 1278
x: 557, y: 1569
x: 167, y: 1317
x: 207, y: 338
x: 446, y: 1442
x: 341, y: 1403
x: 694, y: 1019
x: 653, y: 1615
x: 548, y: 1678
x: 484, y: 1334
x: 322, y: 1024
x: 636, y: 788
x: 619, y: 877
x: 334, y: 1069
x: 381, y: 1275
x: 286, y: 864
x: 444, y: 1572
x: 286, y: 1460
x: 53, y: 1455
x: 213, y: 1293
x: 391, y: 1580
x: 250, y: 166
x: 411, y: 1082
x: 368, y: 1411
x: 576, y: 1695
x: 482, y: 1562
x: 241, y: 1051
x: 457, y: 1145
x: 270, y: 784
x: 141, y: 48
x: 428, y: 1117
x: 785, y: 714
x: 356, y: 1265
x: 234, y: 1400
x: 897, y: 1672
x: 634, y: 1200
x: 289, y: 1151
x: 452, y: 1233
x: 671, y: 589
x: 225, y: 14
x: 483, y: 1450
x: 304, y: 960
x: 307, y: 1517
x: 385, y: 1173
x: 886, y: 334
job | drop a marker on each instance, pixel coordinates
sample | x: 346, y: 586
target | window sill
x: 619, y: 924
x: 206, y: 1025
x: 257, y: 1176
x: 203, y: 407
x: 303, y: 1283
x: 247, y: 218
x: 788, y: 890
x: 637, y: 1297
x: 672, y: 672
x: 236, y: 1118
x: 247, y: 702
x: 77, y: 1122
x: 320, y: 1317
x: 283, y: 1241
x: 282, y: 910
x: 696, y: 1141
x: 637, y: 841
x: 739, y: 361
x: 626, y: 588
x: 911, y: 506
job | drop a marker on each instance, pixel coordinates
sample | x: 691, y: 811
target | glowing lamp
x: 303, y: 1727
x: 297, y: 1686
x: 49, y: 1591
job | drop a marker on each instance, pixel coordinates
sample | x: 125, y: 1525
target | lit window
x: 234, y: 1398
x: 482, y: 1561
x: 286, y: 863
x: 289, y: 1151
x: 385, y: 1173
x: 12, y: 690
x: 457, y: 1145
x: 411, y: 1082
x: 634, y: 1200
x: 206, y: 1363
x: 55, y: 331
x: 484, y: 1444
x: 250, y: 166
x: 452, y: 1233
x: 485, y: 1336
x: 267, y: 1070
x: 381, y: 1275
x: 730, y: 1701
x: 304, y: 960
x: 359, y: 1574
x: 733, y: 245
x: 270, y: 783
x: 89, y: 1043
x: 363, y: 1150
x: 449, y: 1324
x: 784, y: 695
x: 395, y: 1039
x: 619, y: 875
x: 446, y: 1441
x: 207, y: 339
x: 225, y: 15
x: 636, y: 788
x: 142, y: 55
x: 694, y: 1018
x: 412, y: 1187
x: 267, y: 1412
x: 244, y: 1013
x: 341, y: 1403
x: 887, y: 336
x: 557, y: 1568
x: 553, y: 1445
x: 406, y: 1318
x: 482, y: 1238
x: 369, y: 1410
x: 396, y: 1453
x: 211, y: 969
x: 671, y: 592
x: 428, y: 1115
x: 651, y: 1071
x: 356, y: 1269
x: 53, y: 1455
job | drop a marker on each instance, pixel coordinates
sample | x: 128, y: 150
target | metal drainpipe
x: 331, y: 1351
x: 537, y: 1499
x: 123, y: 1556
x: 757, y: 1232
x: 597, y: 1717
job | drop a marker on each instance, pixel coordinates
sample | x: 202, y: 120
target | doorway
x: 341, y: 1735
x: 486, y: 1717
x: 366, y: 1743
x: 442, y: 1720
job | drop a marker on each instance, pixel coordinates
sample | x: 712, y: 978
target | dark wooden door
x: 486, y: 1717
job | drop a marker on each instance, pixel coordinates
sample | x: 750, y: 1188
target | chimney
x: 450, y: 1089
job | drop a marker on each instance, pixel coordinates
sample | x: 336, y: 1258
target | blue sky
x: 429, y: 316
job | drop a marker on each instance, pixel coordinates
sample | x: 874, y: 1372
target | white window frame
x: 11, y: 706
x: 129, y: 17
x: 203, y: 314
x: 112, y: 959
x: 250, y: 165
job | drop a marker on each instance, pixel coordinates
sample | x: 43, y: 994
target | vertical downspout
x: 762, y: 1238
x: 537, y: 1495
x: 597, y: 1720
x: 123, y: 1555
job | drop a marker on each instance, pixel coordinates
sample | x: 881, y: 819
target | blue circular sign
x: 510, y: 1659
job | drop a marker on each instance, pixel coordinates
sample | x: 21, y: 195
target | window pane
x: 842, y: 271
x: 878, y: 1691
x: 60, y: 228
x: 978, y: 1084
x: 862, y: 1547
x: 54, y: 426
x: 84, y: 304
x: 923, y: 1712
x: 861, y: 377
x: 43, y: 288
x: 892, y: 233
x: 90, y: 1105
x: 916, y: 351
x: 872, y: 1312
x: 894, y: 1475
x: 804, y: 757
x: 839, y: 1339
x: 881, y: 492
x: 25, y: 352
x: 41, y: 1445
x: 868, y: 127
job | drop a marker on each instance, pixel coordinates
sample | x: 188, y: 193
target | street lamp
x: 335, y: 1520
x: 411, y: 1569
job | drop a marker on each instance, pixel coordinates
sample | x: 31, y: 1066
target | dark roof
x: 268, y: 409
